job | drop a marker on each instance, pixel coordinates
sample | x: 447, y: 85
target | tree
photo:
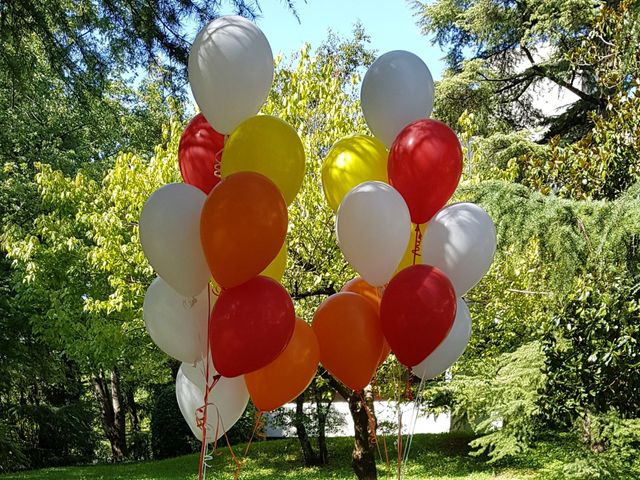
x: 565, y: 279
x: 513, y: 46
x: 85, y: 40
x: 81, y: 266
x: 600, y: 162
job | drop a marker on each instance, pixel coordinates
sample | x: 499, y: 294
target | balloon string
x: 255, y: 429
x: 399, y: 467
x: 236, y: 474
x: 416, y: 412
x: 373, y: 438
x: 377, y: 397
x: 217, y: 164
x: 201, y: 412
x: 417, y: 244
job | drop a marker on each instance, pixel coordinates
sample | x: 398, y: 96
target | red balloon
x: 417, y: 311
x: 250, y: 325
x: 199, y: 154
x: 425, y: 164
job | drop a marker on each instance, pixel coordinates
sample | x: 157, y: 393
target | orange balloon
x: 386, y: 350
x: 361, y: 287
x: 242, y: 227
x: 350, y: 337
x: 288, y: 375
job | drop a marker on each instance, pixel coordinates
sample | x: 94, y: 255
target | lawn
x: 442, y: 456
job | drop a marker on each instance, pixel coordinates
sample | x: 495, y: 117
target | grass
x: 442, y: 456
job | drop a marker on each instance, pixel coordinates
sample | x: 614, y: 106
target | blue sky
x: 390, y: 24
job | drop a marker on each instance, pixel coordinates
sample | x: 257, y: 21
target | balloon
x: 196, y: 372
x: 451, y: 348
x: 274, y: 270
x: 460, y: 241
x: 277, y: 266
x: 269, y: 146
x: 243, y: 225
x: 425, y: 164
x: 373, y: 228
x: 396, y: 90
x: 226, y: 402
x: 417, y: 311
x: 199, y: 154
x: 230, y: 71
x: 250, y: 326
x: 170, y: 237
x: 350, y: 339
x: 361, y: 287
x: 371, y: 294
x: 384, y: 353
x: 350, y: 162
x: 408, y: 258
x: 175, y: 324
x: 288, y: 375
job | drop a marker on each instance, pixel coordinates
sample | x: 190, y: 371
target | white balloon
x: 461, y: 241
x: 226, y: 402
x: 396, y: 90
x: 451, y: 348
x: 373, y: 227
x: 230, y: 71
x: 177, y: 325
x: 170, y: 237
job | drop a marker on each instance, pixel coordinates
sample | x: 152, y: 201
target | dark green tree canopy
x: 84, y: 40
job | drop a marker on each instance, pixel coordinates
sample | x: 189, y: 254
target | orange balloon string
x: 236, y: 474
x: 255, y: 429
x: 201, y: 412
x: 417, y: 244
x: 217, y: 165
x: 373, y: 438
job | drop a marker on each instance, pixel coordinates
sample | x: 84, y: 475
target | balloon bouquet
x: 217, y: 241
x: 238, y: 337
x: 408, y: 298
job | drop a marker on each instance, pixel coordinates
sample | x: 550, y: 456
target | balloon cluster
x: 228, y: 223
x: 408, y: 297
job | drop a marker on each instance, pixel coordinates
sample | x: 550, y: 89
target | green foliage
x: 501, y: 401
x: 515, y: 47
x: 599, y: 163
x: 592, y: 350
x: 170, y: 434
x: 317, y: 95
x: 83, y: 41
x: 610, y: 450
x: 11, y: 455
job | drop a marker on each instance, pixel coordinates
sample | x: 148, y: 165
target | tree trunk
x: 111, y: 413
x: 310, y: 457
x: 322, y: 411
x: 132, y: 408
x: 363, y: 457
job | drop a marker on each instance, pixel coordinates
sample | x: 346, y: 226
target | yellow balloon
x: 407, y: 259
x: 269, y: 146
x: 274, y: 270
x: 350, y: 162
